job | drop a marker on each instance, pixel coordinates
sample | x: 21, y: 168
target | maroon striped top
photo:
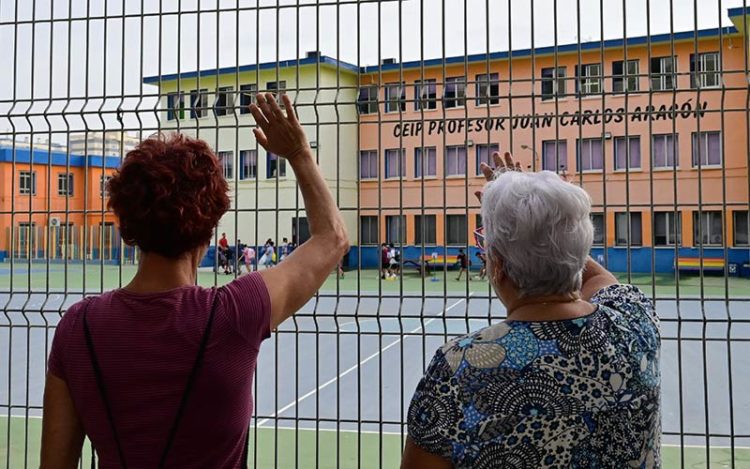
x: 146, y: 345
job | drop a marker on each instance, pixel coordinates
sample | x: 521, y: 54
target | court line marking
x: 354, y: 367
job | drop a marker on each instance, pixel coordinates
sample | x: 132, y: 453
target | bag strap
x: 102, y: 387
x: 185, y: 394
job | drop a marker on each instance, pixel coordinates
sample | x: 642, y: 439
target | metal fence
x: 643, y: 103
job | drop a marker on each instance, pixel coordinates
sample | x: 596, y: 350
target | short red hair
x: 169, y: 195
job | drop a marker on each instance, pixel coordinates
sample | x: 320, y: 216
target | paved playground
x: 333, y: 385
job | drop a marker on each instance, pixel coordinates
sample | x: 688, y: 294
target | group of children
x: 390, y: 262
x: 267, y: 259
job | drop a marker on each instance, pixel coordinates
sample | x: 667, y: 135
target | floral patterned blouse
x: 580, y: 393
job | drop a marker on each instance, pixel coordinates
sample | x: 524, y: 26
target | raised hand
x: 501, y: 165
x: 278, y: 133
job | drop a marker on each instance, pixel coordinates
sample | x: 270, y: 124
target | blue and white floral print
x: 580, y: 393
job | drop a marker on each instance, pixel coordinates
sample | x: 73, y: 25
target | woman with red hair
x: 159, y: 373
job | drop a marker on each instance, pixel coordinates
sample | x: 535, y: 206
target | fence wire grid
x: 643, y: 103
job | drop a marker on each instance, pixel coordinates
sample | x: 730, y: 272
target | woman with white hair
x: 571, y: 377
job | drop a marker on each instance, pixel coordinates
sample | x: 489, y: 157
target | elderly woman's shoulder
x: 625, y: 298
x: 480, y: 349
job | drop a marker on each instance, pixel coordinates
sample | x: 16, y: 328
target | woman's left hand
x: 501, y: 164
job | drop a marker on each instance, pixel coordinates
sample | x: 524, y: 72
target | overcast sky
x: 80, y: 53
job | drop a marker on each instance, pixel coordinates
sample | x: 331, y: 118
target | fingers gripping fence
x: 643, y: 103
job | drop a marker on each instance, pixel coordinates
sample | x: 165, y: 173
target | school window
x: 198, y: 103
x: 226, y: 161
x: 395, y: 163
x: 425, y: 231
x: 455, y: 160
x: 425, y: 95
x: 65, y: 184
x: 667, y: 229
x: 277, y: 88
x: 625, y: 76
x: 395, y: 97
x: 708, y: 73
x: 484, y: 155
x: 248, y: 164
x: 27, y: 182
x: 553, y: 82
x: 589, y: 154
x: 708, y: 228
x: 368, y: 164
x: 706, y: 149
x: 488, y: 89
x: 664, y: 150
x: 628, y: 229
x: 663, y: 73
x: 589, y: 79
x: 224, y: 101
x: 367, y: 101
x: 395, y: 229
x: 455, y: 92
x: 627, y: 153
x: 742, y: 228
x: 368, y: 230
x: 554, y: 155
x: 175, y: 106
x: 275, y: 166
x: 456, y: 230
x: 597, y: 219
x: 103, y: 181
x: 247, y: 97
x: 425, y: 162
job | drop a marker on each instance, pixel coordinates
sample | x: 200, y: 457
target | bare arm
x: 293, y: 282
x: 62, y: 432
x: 595, y: 277
x: 417, y: 458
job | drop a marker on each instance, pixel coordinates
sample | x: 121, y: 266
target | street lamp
x: 536, y: 156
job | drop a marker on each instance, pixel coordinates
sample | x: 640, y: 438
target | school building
x: 53, y: 205
x: 654, y: 128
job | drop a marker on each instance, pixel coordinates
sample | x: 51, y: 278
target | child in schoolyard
x: 385, y: 265
x: 268, y: 255
x: 483, y: 270
x: 463, y: 262
x: 248, y: 256
x: 284, y: 249
x: 394, y: 259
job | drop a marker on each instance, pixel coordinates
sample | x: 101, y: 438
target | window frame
x: 698, y: 75
x: 626, y: 77
x: 390, y: 102
x: 458, y: 100
x: 174, y: 113
x: 280, y: 166
x: 389, y: 219
x: 631, y: 217
x: 419, y: 228
x: 372, y: 105
x: 247, y: 96
x: 30, y: 177
x: 628, y: 153
x: 491, y: 148
x: 735, y: 230
x: 695, y: 157
x: 425, y: 101
x: 661, y: 77
x: 585, y: 80
x: 447, y: 155
x: 598, y: 216
x: 199, y: 103
x: 490, y: 81
x: 558, y: 144
x: 675, y: 147
x: 463, y: 236
x: 370, y: 155
x: 224, y: 103
x: 419, y: 171
x: 227, y: 164
x: 672, y: 220
x: 401, y: 173
x: 252, y: 170
x: 365, y: 240
x: 65, y: 186
x: 555, y: 80
x: 579, y: 160
x: 696, y: 227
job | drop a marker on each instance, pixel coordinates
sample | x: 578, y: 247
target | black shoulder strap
x: 100, y: 384
x: 183, y: 400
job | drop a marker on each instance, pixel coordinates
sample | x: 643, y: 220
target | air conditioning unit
x: 54, y: 222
